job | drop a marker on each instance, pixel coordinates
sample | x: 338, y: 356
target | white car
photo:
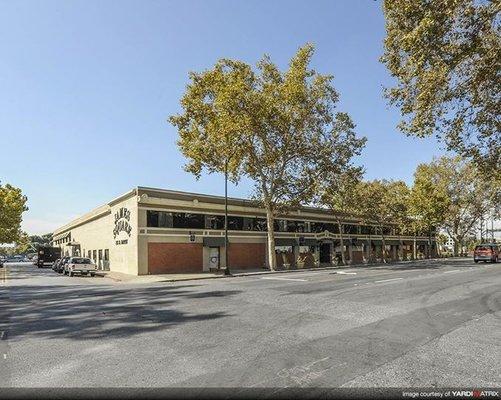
x: 81, y: 265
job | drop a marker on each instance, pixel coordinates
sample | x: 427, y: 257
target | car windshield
x: 81, y: 261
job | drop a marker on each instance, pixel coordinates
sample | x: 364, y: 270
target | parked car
x: 60, y: 266
x: 56, y: 263
x: 81, y: 265
x: 486, y: 252
x: 1, y: 262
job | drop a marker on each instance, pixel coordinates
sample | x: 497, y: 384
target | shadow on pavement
x: 87, y: 312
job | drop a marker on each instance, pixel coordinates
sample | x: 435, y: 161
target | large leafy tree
x: 278, y: 128
x: 12, y: 206
x: 454, y: 194
x: 385, y: 203
x: 338, y: 192
x: 428, y: 201
x: 446, y: 58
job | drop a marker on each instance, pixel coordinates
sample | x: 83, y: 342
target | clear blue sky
x: 86, y: 88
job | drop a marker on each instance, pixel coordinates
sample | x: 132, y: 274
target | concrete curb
x: 343, y: 267
x: 240, y: 274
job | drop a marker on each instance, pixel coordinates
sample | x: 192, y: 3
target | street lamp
x: 227, y: 270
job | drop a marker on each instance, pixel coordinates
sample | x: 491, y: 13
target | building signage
x: 122, y: 224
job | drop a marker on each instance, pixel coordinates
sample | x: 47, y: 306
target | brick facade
x: 247, y: 255
x: 169, y: 258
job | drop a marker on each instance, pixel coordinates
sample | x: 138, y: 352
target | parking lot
x: 430, y: 324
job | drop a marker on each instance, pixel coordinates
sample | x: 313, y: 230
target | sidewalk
x: 126, y: 278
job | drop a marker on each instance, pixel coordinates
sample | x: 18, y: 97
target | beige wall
x: 94, y: 231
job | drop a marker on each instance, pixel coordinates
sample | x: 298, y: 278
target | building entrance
x: 325, y: 253
x: 213, y: 257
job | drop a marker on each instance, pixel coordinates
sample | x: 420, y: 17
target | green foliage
x: 279, y: 129
x: 429, y: 200
x: 12, y: 206
x: 446, y: 58
x: 43, y: 240
x: 384, y: 202
x: 453, y: 194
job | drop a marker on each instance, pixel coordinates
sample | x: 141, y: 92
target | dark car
x: 486, y: 252
x: 47, y: 255
x: 60, y: 265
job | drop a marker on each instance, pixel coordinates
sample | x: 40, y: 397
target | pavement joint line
x: 448, y: 272
x: 284, y: 279
x: 389, y: 280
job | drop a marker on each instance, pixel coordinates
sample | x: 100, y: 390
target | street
x: 424, y: 324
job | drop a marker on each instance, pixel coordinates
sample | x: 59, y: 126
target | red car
x: 486, y: 252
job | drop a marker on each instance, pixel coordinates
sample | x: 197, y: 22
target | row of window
x: 100, y: 257
x: 64, y: 239
x: 163, y: 219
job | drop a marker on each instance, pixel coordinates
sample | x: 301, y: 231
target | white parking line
x: 388, y: 280
x: 448, y: 272
x: 284, y: 279
x: 346, y: 273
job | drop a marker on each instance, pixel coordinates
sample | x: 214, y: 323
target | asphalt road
x: 429, y: 324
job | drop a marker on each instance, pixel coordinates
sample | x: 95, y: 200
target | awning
x: 286, y: 242
x: 215, y: 241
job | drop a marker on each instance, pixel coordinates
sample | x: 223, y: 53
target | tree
x: 446, y: 58
x: 23, y: 244
x: 385, y: 203
x: 277, y: 128
x: 453, y: 193
x: 43, y: 240
x: 12, y: 206
x: 428, y: 202
x: 338, y: 192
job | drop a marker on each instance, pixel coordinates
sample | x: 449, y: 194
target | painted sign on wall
x: 122, y: 224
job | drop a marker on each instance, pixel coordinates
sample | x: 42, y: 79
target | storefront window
x: 214, y: 222
x: 235, y: 223
x: 158, y: 219
x: 350, y: 229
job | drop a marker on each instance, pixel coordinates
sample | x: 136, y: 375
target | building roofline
x: 239, y: 201
x: 95, y: 213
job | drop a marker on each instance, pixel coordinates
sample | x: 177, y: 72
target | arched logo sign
x: 122, y: 224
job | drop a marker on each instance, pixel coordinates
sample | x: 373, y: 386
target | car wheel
x: 92, y: 274
x: 476, y: 261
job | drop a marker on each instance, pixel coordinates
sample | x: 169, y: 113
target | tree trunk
x: 343, y: 258
x: 456, y: 243
x: 429, y: 245
x: 272, y: 258
x: 383, y: 246
x: 400, y: 248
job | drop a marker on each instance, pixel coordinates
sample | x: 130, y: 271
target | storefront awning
x: 285, y: 242
x: 216, y: 241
